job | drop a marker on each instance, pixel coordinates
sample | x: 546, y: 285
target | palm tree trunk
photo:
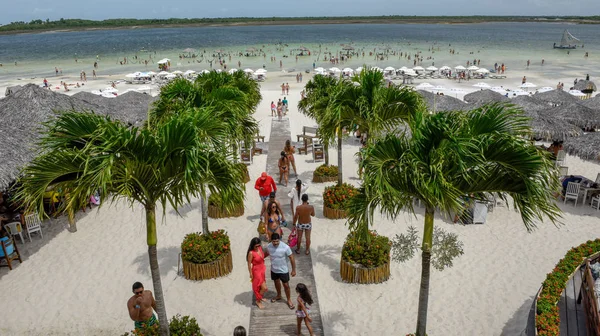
x: 339, y: 141
x: 425, y: 272
x: 204, y: 202
x: 326, y: 148
x: 151, y: 238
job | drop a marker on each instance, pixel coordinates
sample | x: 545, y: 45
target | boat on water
x: 568, y: 41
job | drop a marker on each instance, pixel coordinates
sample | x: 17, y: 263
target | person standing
x: 284, y: 168
x: 257, y: 269
x: 279, y: 252
x: 282, y: 88
x: 140, y: 307
x: 287, y: 88
x: 268, y: 201
x: 303, y: 215
x: 285, y: 105
x: 290, y: 150
x: 273, y: 109
x: 265, y: 185
x: 295, y: 195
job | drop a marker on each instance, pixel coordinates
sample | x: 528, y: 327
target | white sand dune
x: 78, y: 283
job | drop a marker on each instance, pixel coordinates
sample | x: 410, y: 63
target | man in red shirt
x: 265, y: 185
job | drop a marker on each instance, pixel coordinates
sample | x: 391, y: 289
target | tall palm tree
x: 82, y: 153
x: 449, y: 155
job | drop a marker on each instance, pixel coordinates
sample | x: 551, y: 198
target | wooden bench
x: 307, y: 136
x: 259, y: 137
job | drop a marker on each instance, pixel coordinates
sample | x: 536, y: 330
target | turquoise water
x: 510, y: 43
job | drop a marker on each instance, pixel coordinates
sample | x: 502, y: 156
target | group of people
x: 280, y: 109
x: 271, y: 226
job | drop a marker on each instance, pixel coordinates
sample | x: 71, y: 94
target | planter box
x: 322, y: 179
x: 352, y: 273
x: 216, y: 212
x: 215, y: 269
x: 333, y: 213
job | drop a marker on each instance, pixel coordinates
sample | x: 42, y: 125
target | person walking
x: 279, y: 252
x: 239, y: 331
x: 257, y: 269
x: 140, y: 307
x: 265, y: 185
x: 303, y: 311
x: 272, y: 219
x: 295, y: 195
x: 284, y: 167
x: 303, y: 215
x: 273, y: 109
x: 289, y: 151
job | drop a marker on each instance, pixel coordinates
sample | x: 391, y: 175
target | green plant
x: 370, y: 255
x: 547, y: 320
x: 205, y: 248
x: 178, y: 326
x: 325, y: 170
x: 337, y: 196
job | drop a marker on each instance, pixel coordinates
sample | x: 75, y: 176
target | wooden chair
x: 9, y: 252
x: 596, y: 202
x: 572, y: 192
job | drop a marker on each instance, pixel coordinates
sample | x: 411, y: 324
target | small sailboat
x: 568, y: 41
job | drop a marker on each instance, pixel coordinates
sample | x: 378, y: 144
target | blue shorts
x: 264, y: 198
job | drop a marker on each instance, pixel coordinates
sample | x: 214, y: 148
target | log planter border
x: 218, y: 268
x: 216, y: 212
x: 352, y: 273
x: 323, y: 179
x: 333, y: 213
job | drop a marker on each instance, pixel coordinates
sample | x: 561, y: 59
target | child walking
x: 303, y: 311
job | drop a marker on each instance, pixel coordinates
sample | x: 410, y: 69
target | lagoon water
x: 510, y: 43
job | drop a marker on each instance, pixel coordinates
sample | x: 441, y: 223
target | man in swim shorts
x: 303, y: 215
x: 140, y: 307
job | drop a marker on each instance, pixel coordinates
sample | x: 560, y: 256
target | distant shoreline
x: 299, y: 21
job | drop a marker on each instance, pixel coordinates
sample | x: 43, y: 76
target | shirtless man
x: 303, y: 213
x: 266, y: 204
x: 140, y: 306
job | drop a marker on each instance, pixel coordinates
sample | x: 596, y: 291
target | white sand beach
x: 79, y: 283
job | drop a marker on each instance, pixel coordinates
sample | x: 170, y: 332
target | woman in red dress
x: 257, y: 268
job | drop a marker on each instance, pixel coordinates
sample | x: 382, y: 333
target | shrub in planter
x: 335, y: 199
x: 325, y: 173
x: 366, y: 263
x: 179, y: 326
x: 216, y: 208
x: 206, y: 256
x: 245, y: 174
x: 547, y: 319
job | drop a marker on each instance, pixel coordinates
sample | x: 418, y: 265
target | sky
x: 27, y: 10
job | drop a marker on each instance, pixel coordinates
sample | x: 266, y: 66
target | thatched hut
x: 585, y: 86
x: 542, y: 126
x: 556, y: 97
x: 12, y: 89
x: 440, y: 103
x: 574, y: 113
x: 586, y: 146
x: 593, y: 103
x: 483, y: 97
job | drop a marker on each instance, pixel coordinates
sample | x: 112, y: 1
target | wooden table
x: 585, y: 192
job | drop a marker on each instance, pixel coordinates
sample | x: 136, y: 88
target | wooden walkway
x: 277, y: 318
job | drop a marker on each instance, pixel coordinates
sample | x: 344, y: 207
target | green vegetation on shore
x: 79, y: 24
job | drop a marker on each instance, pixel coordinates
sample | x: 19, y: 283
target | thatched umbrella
x: 529, y: 103
x: 585, y: 86
x: 575, y: 114
x: 483, y: 97
x: 439, y: 103
x: 542, y: 126
x: 12, y: 89
x: 586, y: 146
x: 593, y: 103
x: 556, y: 97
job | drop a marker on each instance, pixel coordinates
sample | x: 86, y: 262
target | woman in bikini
x: 303, y: 311
x: 284, y: 167
x: 289, y: 151
x: 272, y: 220
x: 256, y: 268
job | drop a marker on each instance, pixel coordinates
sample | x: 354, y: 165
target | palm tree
x: 82, y: 153
x: 233, y: 97
x: 449, y: 155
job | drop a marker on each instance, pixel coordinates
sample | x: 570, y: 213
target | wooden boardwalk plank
x: 277, y: 318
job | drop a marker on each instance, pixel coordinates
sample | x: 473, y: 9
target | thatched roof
x: 482, y: 97
x: 593, y: 103
x: 528, y: 103
x: 575, y: 114
x: 442, y: 102
x: 552, y: 129
x: 584, y: 85
x: 23, y: 112
x: 556, y: 97
x: 12, y: 89
x: 586, y: 146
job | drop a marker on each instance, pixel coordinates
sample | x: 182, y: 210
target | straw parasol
x: 575, y: 114
x: 482, y: 97
x: 556, y: 97
x: 442, y: 103
x: 585, y: 86
x: 586, y: 146
x: 593, y: 103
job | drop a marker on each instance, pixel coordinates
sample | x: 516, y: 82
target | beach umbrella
x: 150, y: 73
x: 438, y: 88
x: 484, y: 97
x: 232, y: 70
x: 460, y: 67
x: 410, y: 72
x: 389, y: 69
x: 577, y: 93
x: 163, y: 73
x: 205, y: 71
x: 260, y: 71
x: 431, y: 68
x: 376, y: 68
x: 321, y: 69
x: 404, y: 68
x: 439, y: 103
x: 445, y: 67
x: 586, y: 146
x: 482, y: 71
x: 189, y: 50
x: 170, y: 76
x: 518, y: 92
x: 585, y: 86
x: 218, y: 70
x: 574, y: 113
x: 177, y: 72
x: 482, y: 85
x: 556, y: 97
x: 424, y: 86
x: 527, y: 85
x: 593, y: 103
x: 418, y: 68
x: 473, y: 68
x: 248, y: 71
x: 544, y: 89
x: 189, y: 72
x: 334, y: 69
x: 551, y: 129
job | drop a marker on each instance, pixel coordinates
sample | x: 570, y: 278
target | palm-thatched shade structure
x: 556, y: 97
x: 23, y: 111
x: 575, y: 114
x: 482, y: 97
x: 586, y: 146
x: 593, y: 103
x: 529, y: 103
x: 439, y: 103
x: 542, y: 126
x: 585, y: 86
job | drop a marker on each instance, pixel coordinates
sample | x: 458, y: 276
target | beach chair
x: 572, y: 192
x: 9, y: 252
x: 33, y: 224
x: 560, y: 158
x: 15, y: 229
x: 595, y: 202
x: 563, y: 171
